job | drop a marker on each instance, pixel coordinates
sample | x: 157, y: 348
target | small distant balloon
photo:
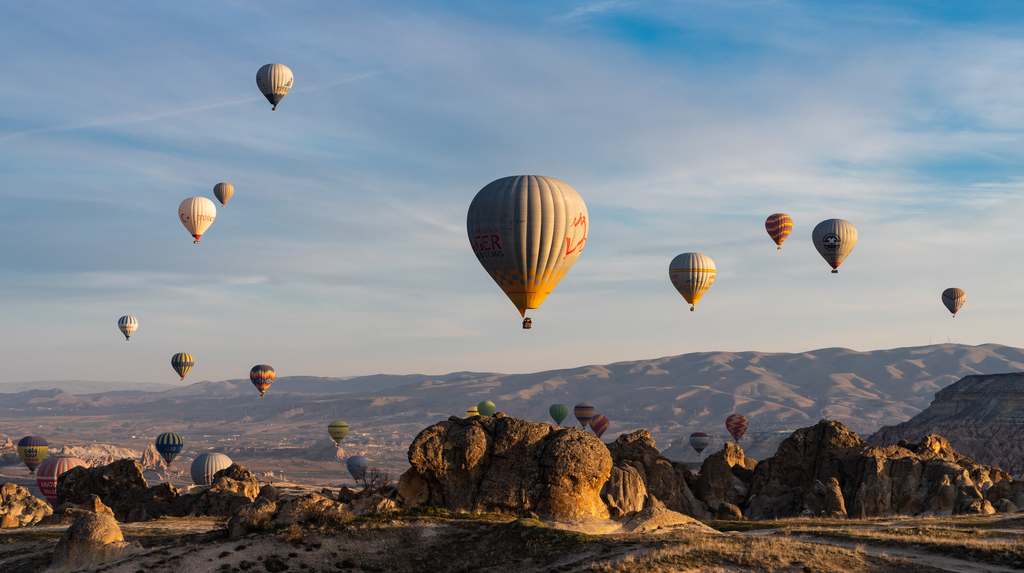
x: 584, y: 412
x: 737, y: 426
x: 778, y: 225
x: 558, y: 412
x: 127, y: 324
x: 699, y: 441
x: 169, y: 445
x: 953, y: 298
x: 338, y: 430
x: 486, y: 408
x: 262, y: 376
x: 51, y: 469
x: 834, y: 239
x: 223, y: 192
x: 357, y: 466
x: 599, y: 424
x: 472, y: 411
x: 274, y: 81
x: 182, y: 362
x: 197, y: 214
x: 32, y: 450
x: 692, y: 274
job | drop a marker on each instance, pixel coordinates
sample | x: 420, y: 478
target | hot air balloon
x: 274, y: 81
x: 357, y: 466
x: 127, y: 324
x: 692, y: 275
x: 953, y: 298
x: 48, y: 472
x: 338, y: 430
x: 584, y: 412
x: 486, y: 408
x: 182, y: 362
x: 737, y: 426
x: 205, y: 466
x: 699, y: 441
x: 262, y: 377
x: 169, y: 445
x: 472, y: 411
x: 558, y: 412
x: 527, y: 231
x: 32, y: 450
x: 223, y: 192
x: 197, y: 214
x: 599, y: 424
x: 834, y: 239
x: 778, y: 225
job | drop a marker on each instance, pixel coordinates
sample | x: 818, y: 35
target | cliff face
x: 981, y: 415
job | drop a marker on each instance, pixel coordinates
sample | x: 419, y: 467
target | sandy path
x: 930, y: 559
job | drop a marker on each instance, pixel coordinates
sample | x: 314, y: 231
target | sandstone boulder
x: 663, y: 478
x: 268, y: 492
x: 151, y: 458
x: 18, y: 507
x: 719, y: 479
x: 308, y: 507
x: 71, y: 512
x: 624, y: 492
x: 504, y: 464
x: 238, y: 479
x: 654, y: 519
x: 256, y: 516
x: 374, y: 503
x: 92, y: 540
x: 114, y: 484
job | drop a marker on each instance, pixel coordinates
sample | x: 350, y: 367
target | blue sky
x: 343, y: 252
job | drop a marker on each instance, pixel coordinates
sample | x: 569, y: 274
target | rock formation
x: 724, y: 480
x: 92, y: 540
x: 828, y: 470
x: 71, y: 512
x: 116, y: 485
x: 151, y: 458
x: 981, y: 415
x: 18, y: 507
x: 507, y: 465
x: 663, y: 479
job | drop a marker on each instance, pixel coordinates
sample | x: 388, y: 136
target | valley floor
x: 439, y: 541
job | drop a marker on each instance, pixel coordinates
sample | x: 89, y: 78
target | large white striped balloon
x: 274, y: 81
x: 197, y: 214
x: 527, y: 231
x: 127, y: 324
x: 834, y: 239
x: 692, y: 274
x: 48, y: 472
x: 206, y: 465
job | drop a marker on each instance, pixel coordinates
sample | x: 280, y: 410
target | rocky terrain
x: 538, y: 497
x: 982, y: 415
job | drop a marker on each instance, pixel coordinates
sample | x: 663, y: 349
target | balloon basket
x: 835, y: 271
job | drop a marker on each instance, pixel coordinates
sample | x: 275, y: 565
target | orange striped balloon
x: 262, y: 376
x: 737, y: 426
x: 953, y: 298
x: 779, y: 226
x: 599, y: 424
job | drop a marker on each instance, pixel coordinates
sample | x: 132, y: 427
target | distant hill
x: 670, y: 396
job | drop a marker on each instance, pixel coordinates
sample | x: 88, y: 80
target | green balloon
x: 558, y: 412
x: 485, y: 408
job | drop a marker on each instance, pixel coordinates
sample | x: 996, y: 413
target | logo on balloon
x: 830, y: 241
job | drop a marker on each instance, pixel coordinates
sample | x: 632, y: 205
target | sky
x: 344, y: 252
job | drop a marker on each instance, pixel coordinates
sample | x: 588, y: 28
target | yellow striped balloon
x: 779, y: 226
x: 182, y: 362
x: 527, y: 231
x: 472, y: 411
x: 338, y: 430
x: 274, y: 81
x: 692, y: 275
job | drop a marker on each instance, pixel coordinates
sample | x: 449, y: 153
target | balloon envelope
x: 699, y: 441
x: 274, y: 81
x: 599, y: 424
x: 953, y: 298
x: 182, y: 362
x: 527, y: 231
x: 197, y: 214
x: 558, y: 412
x: 692, y: 274
x: 834, y: 239
x: 262, y: 376
x: 32, y: 450
x: 127, y: 324
x: 584, y: 412
x: 779, y: 226
x: 472, y: 411
x: 737, y: 426
x: 48, y: 472
x: 206, y: 465
x: 356, y: 466
x: 223, y: 192
x: 169, y: 445
x: 485, y: 408
x: 338, y: 430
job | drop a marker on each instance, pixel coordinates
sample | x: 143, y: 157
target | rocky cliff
x: 982, y: 416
